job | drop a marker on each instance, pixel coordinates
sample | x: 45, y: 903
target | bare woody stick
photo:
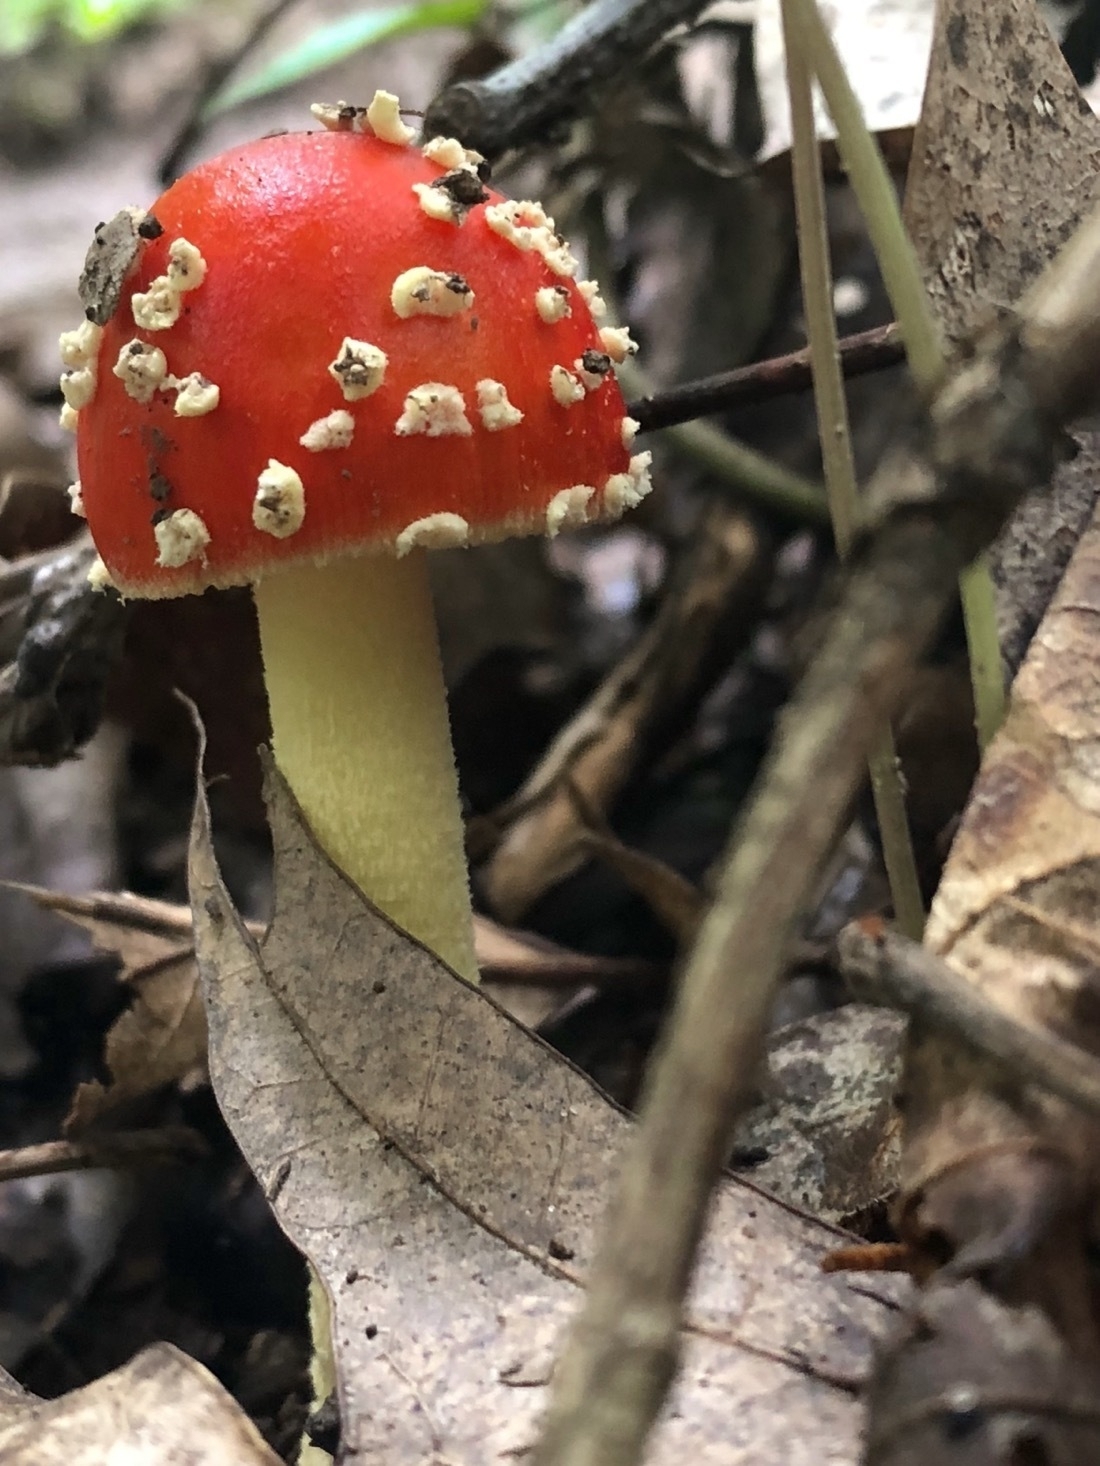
x: 992, y: 433
x: 518, y: 103
x: 760, y: 381
x: 886, y: 968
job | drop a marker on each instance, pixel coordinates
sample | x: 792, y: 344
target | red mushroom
x: 326, y: 345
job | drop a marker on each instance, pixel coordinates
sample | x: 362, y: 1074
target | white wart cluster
x: 565, y: 387
x: 181, y: 537
x: 335, y: 430
x: 435, y: 409
x: 141, y: 369
x: 79, y: 356
x: 359, y: 367
x: 434, y: 532
x: 625, y: 491
x: 552, y: 303
x: 423, y: 291
x: 196, y: 395
x: 279, y: 506
x: 382, y: 118
x: 459, y: 188
x: 496, y: 411
x: 528, y: 226
x: 158, y: 308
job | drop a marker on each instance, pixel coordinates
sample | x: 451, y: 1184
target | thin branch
x: 114, y: 1150
x: 748, y: 473
x: 519, y: 103
x: 890, y: 970
x: 761, y: 381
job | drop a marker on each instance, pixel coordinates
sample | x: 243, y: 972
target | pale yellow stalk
x: 360, y: 731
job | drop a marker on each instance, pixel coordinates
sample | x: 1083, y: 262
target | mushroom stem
x: 361, y: 734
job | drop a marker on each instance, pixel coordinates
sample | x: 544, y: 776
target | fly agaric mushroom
x: 317, y: 356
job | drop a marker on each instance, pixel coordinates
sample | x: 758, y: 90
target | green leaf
x: 24, y: 22
x: 342, y: 38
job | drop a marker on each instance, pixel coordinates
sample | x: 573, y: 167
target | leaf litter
x: 445, y: 1172
x: 160, y: 1407
x: 161, y: 1037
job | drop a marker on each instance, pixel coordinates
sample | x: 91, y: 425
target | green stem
x: 979, y: 605
x: 901, y: 275
x: 836, y: 450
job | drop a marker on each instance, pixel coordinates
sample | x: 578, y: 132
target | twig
x: 750, y: 474
x: 994, y: 429
x: 113, y: 1150
x: 891, y: 970
x: 761, y: 381
x: 218, y: 72
x: 834, y: 435
x: 520, y: 102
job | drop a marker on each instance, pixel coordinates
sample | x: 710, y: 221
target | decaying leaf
x: 161, y: 1407
x: 161, y: 1037
x: 999, y: 1178
x: 444, y: 1171
x: 1005, y: 166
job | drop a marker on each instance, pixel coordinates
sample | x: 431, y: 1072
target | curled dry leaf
x: 999, y: 1178
x: 444, y: 1171
x: 161, y: 1407
x: 161, y: 1037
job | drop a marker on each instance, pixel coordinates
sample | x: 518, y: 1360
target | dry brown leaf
x: 160, y: 1408
x: 161, y: 1036
x: 997, y: 1177
x: 1017, y: 910
x: 445, y: 1172
x: 1005, y: 166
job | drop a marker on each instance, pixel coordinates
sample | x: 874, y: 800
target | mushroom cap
x: 285, y: 255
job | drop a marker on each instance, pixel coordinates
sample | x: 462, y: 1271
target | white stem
x: 359, y: 717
